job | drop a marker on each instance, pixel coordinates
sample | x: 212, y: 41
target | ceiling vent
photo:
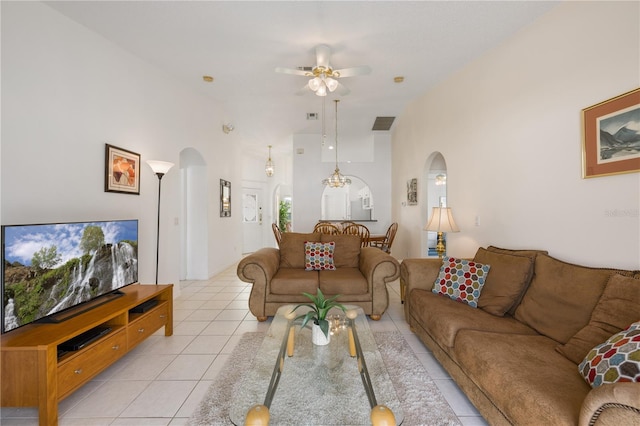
x: 383, y: 123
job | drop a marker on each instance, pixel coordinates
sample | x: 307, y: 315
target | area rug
x: 421, y: 400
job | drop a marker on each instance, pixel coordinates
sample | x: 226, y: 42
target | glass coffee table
x: 295, y: 382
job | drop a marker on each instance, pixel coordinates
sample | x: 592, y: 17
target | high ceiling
x: 240, y: 43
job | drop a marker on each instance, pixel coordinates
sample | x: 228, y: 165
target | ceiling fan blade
x: 349, y: 72
x: 323, y: 53
x: 293, y: 71
x: 305, y: 89
x: 342, y: 90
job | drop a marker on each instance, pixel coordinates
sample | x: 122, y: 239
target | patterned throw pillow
x: 319, y: 256
x: 616, y: 360
x: 461, y: 280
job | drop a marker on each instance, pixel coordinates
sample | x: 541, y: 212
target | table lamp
x: 441, y: 221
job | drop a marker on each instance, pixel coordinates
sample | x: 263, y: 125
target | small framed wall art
x: 225, y: 198
x: 611, y: 136
x: 412, y: 191
x: 122, y: 170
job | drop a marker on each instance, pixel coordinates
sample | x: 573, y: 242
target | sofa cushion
x: 618, y: 307
x: 523, y: 375
x: 318, y: 256
x: 561, y: 297
x: 530, y: 253
x: 292, y: 248
x: 294, y: 281
x: 461, y: 280
x: 616, y: 360
x: 343, y: 281
x: 442, y: 318
x: 347, y: 251
x: 509, y: 278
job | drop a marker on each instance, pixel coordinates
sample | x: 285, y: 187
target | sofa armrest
x: 417, y: 273
x: 258, y: 269
x: 612, y: 404
x: 379, y: 268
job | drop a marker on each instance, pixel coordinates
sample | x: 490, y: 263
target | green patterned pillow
x: 461, y: 280
x: 319, y: 256
x: 616, y: 360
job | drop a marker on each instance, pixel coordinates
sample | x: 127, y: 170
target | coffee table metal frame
x: 380, y: 414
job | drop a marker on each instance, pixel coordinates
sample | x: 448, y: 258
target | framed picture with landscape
x: 611, y: 136
x: 122, y: 170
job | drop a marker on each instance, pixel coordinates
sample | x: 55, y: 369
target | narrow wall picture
x: 225, y: 198
x: 412, y: 191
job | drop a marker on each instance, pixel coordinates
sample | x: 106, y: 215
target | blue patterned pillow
x: 461, y: 280
x: 319, y: 256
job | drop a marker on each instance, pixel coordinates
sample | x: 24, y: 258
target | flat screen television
x: 48, y: 269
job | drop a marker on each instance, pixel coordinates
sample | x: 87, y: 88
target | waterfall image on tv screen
x: 52, y: 267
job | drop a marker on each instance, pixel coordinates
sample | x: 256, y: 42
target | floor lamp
x: 159, y: 168
x: 441, y: 221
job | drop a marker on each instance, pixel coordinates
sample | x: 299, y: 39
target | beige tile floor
x: 162, y: 381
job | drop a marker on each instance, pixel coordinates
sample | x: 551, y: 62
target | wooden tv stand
x: 33, y: 374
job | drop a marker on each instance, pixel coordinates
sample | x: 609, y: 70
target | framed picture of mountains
x: 611, y: 136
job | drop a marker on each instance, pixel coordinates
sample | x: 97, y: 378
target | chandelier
x: 336, y: 180
x: 269, y: 167
x: 323, y: 81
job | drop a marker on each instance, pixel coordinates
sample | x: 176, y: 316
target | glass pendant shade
x: 322, y: 90
x: 269, y: 167
x: 331, y: 83
x: 315, y: 83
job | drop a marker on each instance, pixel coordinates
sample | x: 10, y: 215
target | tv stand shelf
x: 33, y: 374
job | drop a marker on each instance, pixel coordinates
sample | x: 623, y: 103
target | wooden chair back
x: 326, y: 228
x: 276, y: 233
x: 358, y: 229
x: 388, y: 238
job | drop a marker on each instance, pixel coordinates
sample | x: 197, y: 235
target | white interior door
x: 252, y: 220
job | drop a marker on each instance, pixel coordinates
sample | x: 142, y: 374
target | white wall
x: 309, y: 170
x: 509, y: 127
x: 65, y: 93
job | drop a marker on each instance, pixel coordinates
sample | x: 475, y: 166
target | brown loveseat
x: 516, y: 355
x: 279, y: 276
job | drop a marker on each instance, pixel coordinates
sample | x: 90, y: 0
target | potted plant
x: 318, y: 313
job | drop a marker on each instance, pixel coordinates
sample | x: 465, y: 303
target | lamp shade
x: 441, y: 221
x: 161, y: 167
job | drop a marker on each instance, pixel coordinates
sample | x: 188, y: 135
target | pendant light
x: 269, y: 167
x: 336, y: 180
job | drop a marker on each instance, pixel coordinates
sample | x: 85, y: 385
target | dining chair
x: 358, y: 229
x: 277, y: 233
x: 385, y: 245
x: 326, y: 228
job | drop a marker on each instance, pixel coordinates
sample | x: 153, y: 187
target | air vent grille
x: 383, y: 123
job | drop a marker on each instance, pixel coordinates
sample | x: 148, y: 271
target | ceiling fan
x: 323, y: 78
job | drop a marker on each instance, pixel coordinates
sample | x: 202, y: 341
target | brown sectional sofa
x: 279, y: 276
x: 516, y: 355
